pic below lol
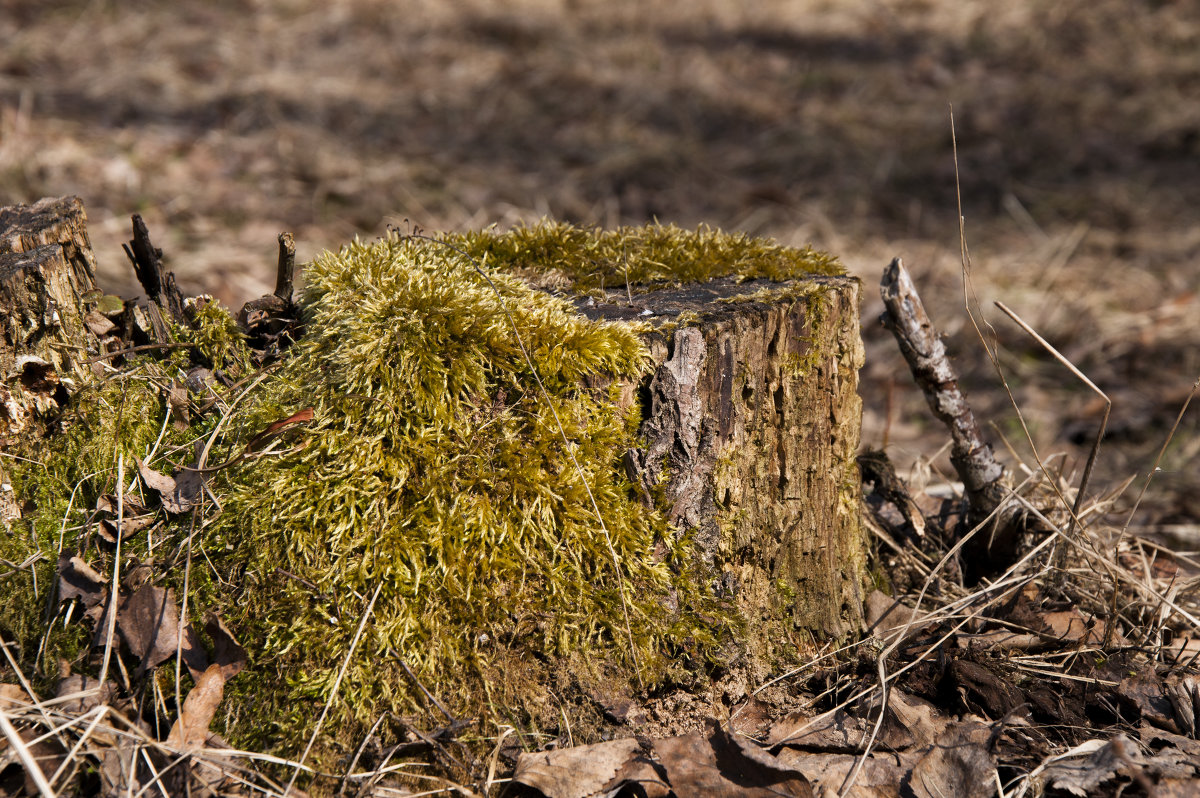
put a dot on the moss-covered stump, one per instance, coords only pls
(751, 421)
(574, 467)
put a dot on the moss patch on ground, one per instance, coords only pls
(437, 467)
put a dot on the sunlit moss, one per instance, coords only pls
(644, 258)
(216, 336)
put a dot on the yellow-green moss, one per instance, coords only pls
(216, 336)
(435, 466)
(58, 481)
(644, 258)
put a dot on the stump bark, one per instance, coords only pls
(47, 269)
(752, 420)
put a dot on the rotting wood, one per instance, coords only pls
(970, 454)
(161, 290)
(751, 422)
(285, 269)
(47, 272)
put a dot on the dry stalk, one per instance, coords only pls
(337, 683)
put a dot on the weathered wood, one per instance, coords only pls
(161, 291)
(46, 269)
(752, 418)
(995, 548)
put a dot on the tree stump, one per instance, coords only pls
(752, 418)
(47, 268)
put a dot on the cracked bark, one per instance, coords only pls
(751, 422)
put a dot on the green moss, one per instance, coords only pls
(58, 481)
(644, 258)
(435, 466)
(216, 336)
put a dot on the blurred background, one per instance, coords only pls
(224, 122)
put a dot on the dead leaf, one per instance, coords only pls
(579, 772)
(982, 690)
(1086, 766)
(958, 765)
(836, 732)
(135, 516)
(880, 776)
(177, 405)
(78, 694)
(752, 718)
(78, 580)
(191, 728)
(227, 652)
(99, 325)
(12, 697)
(178, 493)
(886, 615)
(721, 764)
(1146, 693)
(1070, 626)
(149, 624)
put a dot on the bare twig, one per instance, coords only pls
(285, 271)
(922, 348)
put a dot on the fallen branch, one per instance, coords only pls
(970, 454)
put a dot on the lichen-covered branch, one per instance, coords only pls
(921, 346)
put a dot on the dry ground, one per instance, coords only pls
(815, 121)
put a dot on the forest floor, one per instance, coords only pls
(810, 121)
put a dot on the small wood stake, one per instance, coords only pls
(286, 269)
(970, 454)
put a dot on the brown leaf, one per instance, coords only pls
(78, 580)
(78, 693)
(149, 624)
(279, 426)
(837, 732)
(12, 697)
(177, 404)
(1146, 693)
(191, 728)
(958, 765)
(880, 776)
(578, 772)
(1086, 766)
(719, 764)
(98, 324)
(982, 690)
(227, 652)
(179, 493)
(886, 615)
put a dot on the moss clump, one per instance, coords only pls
(58, 481)
(644, 258)
(215, 336)
(435, 466)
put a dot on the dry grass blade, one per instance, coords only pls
(333, 692)
(1091, 461)
(27, 761)
(114, 592)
